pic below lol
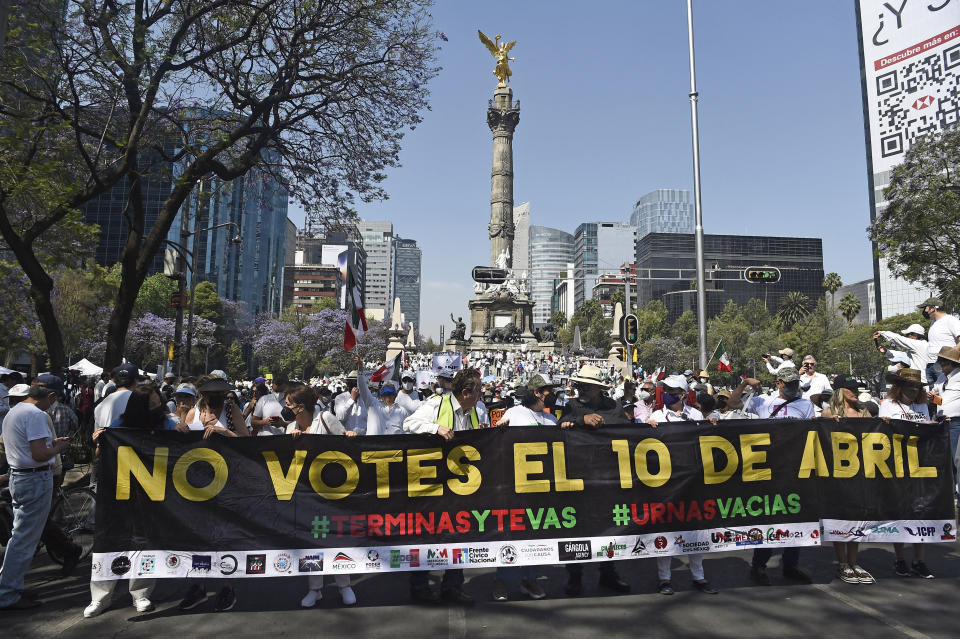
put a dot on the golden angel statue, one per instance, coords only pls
(499, 51)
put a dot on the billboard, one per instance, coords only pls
(910, 51)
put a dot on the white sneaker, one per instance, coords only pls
(95, 608)
(346, 594)
(143, 604)
(311, 598)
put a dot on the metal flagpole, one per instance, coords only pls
(701, 284)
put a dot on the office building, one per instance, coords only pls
(666, 270)
(609, 283)
(863, 291)
(599, 246)
(562, 293)
(549, 253)
(378, 280)
(325, 248)
(306, 285)
(664, 211)
(406, 279)
(235, 232)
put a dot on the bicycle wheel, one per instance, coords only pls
(73, 513)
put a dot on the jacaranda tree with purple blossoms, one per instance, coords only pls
(101, 95)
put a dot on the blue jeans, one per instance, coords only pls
(791, 557)
(32, 494)
(954, 436)
(933, 371)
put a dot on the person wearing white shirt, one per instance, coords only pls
(383, 417)
(914, 346)
(113, 405)
(267, 413)
(443, 415)
(786, 361)
(409, 397)
(907, 400)
(944, 331)
(947, 394)
(675, 410)
(811, 382)
(786, 403)
(348, 409)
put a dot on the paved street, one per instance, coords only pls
(893, 607)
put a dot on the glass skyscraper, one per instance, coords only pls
(599, 246)
(549, 252)
(663, 211)
(406, 279)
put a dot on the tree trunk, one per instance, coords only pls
(51, 328)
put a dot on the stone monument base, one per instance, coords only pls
(490, 312)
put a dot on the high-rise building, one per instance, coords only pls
(236, 233)
(599, 246)
(305, 285)
(521, 237)
(406, 279)
(664, 211)
(908, 76)
(326, 248)
(549, 252)
(609, 283)
(666, 270)
(378, 280)
(563, 293)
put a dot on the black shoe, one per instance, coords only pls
(900, 568)
(665, 588)
(226, 599)
(70, 560)
(500, 590)
(919, 569)
(29, 594)
(796, 574)
(424, 595)
(456, 595)
(195, 596)
(23, 603)
(612, 581)
(705, 587)
(759, 575)
(574, 586)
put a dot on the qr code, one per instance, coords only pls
(917, 98)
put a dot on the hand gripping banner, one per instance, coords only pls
(175, 505)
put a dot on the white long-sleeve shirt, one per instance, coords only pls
(948, 387)
(424, 420)
(381, 419)
(409, 402)
(781, 364)
(351, 414)
(916, 349)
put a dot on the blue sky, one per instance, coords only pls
(605, 118)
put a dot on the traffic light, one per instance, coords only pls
(630, 329)
(762, 274)
(490, 275)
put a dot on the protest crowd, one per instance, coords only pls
(442, 394)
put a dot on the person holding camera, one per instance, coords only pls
(784, 361)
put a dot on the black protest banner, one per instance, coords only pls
(176, 505)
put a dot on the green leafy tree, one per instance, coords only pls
(919, 231)
(652, 320)
(832, 283)
(105, 95)
(559, 319)
(154, 295)
(849, 307)
(235, 366)
(685, 328)
(794, 306)
(206, 302)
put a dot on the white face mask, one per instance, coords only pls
(408, 386)
(893, 369)
(643, 396)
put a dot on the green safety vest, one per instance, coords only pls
(445, 414)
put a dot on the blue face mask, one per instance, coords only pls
(669, 399)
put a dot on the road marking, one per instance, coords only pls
(872, 612)
(457, 620)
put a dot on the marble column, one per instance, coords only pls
(503, 114)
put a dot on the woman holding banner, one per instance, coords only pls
(844, 403)
(302, 403)
(907, 400)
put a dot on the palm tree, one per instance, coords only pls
(849, 307)
(794, 306)
(832, 283)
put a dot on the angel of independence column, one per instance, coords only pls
(503, 114)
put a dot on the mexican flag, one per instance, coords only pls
(723, 362)
(356, 324)
(390, 371)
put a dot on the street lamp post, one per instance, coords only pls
(701, 284)
(184, 265)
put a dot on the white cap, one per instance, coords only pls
(676, 381)
(913, 328)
